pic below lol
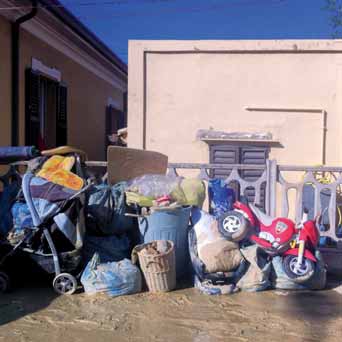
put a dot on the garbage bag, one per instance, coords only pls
(194, 192)
(7, 198)
(216, 253)
(106, 210)
(22, 218)
(221, 256)
(109, 248)
(208, 282)
(140, 200)
(221, 197)
(256, 277)
(112, 278)
(281, 281)
(156, 186)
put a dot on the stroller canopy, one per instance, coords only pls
(47, 200)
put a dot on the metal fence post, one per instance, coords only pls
(271, 185)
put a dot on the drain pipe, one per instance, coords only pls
(15, 70)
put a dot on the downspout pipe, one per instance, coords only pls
(15, 70)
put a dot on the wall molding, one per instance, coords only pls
(52, 73)
(70, 50)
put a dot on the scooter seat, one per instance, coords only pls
(266, 220)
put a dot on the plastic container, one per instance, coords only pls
(169, 224)
(159, 269)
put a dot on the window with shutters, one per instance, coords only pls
(115, 120)
(46, 111)
(240, 154)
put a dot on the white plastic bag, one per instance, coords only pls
(154, 186)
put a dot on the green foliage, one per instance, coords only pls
(335, 9)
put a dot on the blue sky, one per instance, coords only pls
(117, 21)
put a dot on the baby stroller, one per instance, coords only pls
(53, 233)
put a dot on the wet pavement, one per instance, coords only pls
(38, 315)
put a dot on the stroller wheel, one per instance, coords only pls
(4, 282)
(65, 283)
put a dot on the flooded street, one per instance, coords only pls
(37, 315)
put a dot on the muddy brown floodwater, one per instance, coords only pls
(37, 315)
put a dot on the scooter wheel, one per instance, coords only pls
(4, 282)
(299, 275)
(233, 226)
(65, 283)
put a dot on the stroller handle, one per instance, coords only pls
(84, 189)
(62, 150)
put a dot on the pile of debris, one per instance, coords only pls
(68, 222)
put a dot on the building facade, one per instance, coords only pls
(69, 89)
(289, 91)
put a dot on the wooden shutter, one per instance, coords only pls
(115, 119)
(111, 123)
(121, 119)
(223, 154)
(62, 115)
(32, 107)
(234, 154)
(253, 156)
(125, 98)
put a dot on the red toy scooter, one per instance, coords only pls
(276, 236)
(299, 261)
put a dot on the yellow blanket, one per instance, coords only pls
(57, 170)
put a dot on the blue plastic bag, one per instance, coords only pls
(109, 248)
(7, 198)
(112, 278)
(22, 218)
(106, 208)
(221, 197)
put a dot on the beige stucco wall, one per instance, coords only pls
(178, 87)
(87, 96)
(5, 82)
